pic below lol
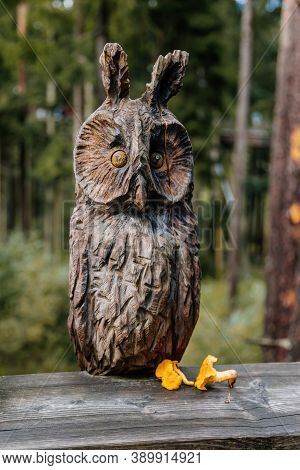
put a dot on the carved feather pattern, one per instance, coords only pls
(134, 268)
(133, 283)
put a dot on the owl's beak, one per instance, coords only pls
(140, 193)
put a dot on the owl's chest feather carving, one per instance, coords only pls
(132, 269)
(134, 264)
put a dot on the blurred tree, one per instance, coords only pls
(240, 147)
(77, 99)
(102, 37)
(24, 182)
(265, 47)
(282, 323)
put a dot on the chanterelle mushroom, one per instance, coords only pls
(170, 375)
(209, 375)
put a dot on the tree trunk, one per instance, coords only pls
(77, 109)
(101, 39)
(77, 87)
(50, 101)
(88, 105)
(22, 15)
(282, 332)
(240, 147)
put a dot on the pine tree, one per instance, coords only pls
(282, 332)
(240, 147)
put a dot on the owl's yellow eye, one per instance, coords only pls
(156, 160)
(119, 159)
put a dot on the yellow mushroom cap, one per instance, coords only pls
(172, 381)
(167, 372)
(207, 372)
(164, 368)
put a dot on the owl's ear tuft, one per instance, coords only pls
(166, 79)
(113, 61)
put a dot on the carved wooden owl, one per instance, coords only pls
(134, 269)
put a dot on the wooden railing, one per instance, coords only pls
(78, 411)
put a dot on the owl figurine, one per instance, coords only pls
(134, 267)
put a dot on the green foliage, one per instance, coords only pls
(33, 309)
(232, 337)
(55, 161)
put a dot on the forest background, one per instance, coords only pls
(50, 82)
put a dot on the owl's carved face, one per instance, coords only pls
(135, 149)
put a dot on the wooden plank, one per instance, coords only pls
(257, 137)
(75, 410)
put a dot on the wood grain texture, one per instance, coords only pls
(134, 267)
(80, 411)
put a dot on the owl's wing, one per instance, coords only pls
(81, 257)
(79, 278)
(78, 273)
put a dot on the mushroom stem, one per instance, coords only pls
(184, 379)
(229, 375)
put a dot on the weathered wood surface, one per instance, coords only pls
(76, 410)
